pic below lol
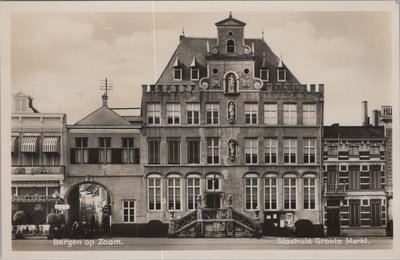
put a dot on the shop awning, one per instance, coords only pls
(51, 144)
(29, 144)
(14, 144)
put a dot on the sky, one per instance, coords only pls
(60, 58)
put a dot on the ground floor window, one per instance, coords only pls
(154, 191)
(354, 213)
(376, 212)
(174, 194)
(128, 211)
(289, 193)
(193, 191)
(270, 192)
(309, 193)
(251, 193)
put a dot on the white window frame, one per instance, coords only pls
(251, 147)
(309, 114)
(267, 71)
(271, 113)
(343, 168)
(366, 167)
(174, 111)
(191, 108)
(180, 73)
(291, 146)
(290, 114)
(153, 178)
(193, 188)
(268, 185)
(251, 186)
(154, 112)
(129, 210)
(271, 145)
(251, 109)
(284, 75)
(215, 144)
(308, 148)
(191, 73)
(290, 186)
(214, 177)
(307, 191)
(212, 108)
(174, 186)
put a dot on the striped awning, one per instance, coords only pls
(29, 144)
(14, 144)
(51, 144)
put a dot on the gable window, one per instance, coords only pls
(174, 151)
(250, 113)
(270, 192)
(153, 114)
(154, 151)
(177, 73)
(281, 74)
(82, 151)
(271, 114)
(193, 151)
(309, 193)
(194, 73)
(289, 193)
(230, 46)
(128, 207)
(173, 113)
(193, 113)
(309, 114)
(251, 193)
(212, 114)
(251, 150)
(309, 150)
(174, 192)
(105, 150)
(289, 114)
(264, 74)
(271, 150)
(193, 191)
(289, 150)
(213, 150)
(154, 192)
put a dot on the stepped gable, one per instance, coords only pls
(354, 132)
(190, 47)
(103, 116)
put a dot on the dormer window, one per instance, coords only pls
(194, 70)
(264, 74)
(281, 74)
(230, 46)
(177, 70)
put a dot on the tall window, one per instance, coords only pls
(354, 177)
(309, 114)
(264, 74)
(270, 114)
(173, 113)
(154, 192)
(289, 193)
(250, 113)
(174, 155)
(355, 213)
(270, 192)
(193, 113)
(251, 150)
(289, 114)
(177, 73)
(281, 74)
(193, 191)
(251, 193)
(309, 150)
(289, 150)
(212, 114)
(153, 114)
(375, 178)
(174, 193)
(154, 152)
(193, 151)
(82, 151)
(271, 150)
(194, 73)
(213, 150)
(105, 150)
(128, 150)
(128, 207)
(230, 46)
(309, 193)
(376, 215)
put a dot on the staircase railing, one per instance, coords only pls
(243, 220)
(185, 221)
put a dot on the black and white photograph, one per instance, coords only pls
(199, 130)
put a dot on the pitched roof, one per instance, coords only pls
(190, 48)
(103, 116)
(230, 22)
(354, 132)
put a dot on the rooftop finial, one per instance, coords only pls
(280, 61)
(230, 14)
(183, 31)
(262, 34)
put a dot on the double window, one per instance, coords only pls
(193, 151)
(128, 207)
(355, 215)
(251, 190)
(154, 193)
(82, 151)
(193, 113)
(289, 114)
(270, 193)
(375, 177)
(193, 191)
(174, 155)
(213, 150)
(105, 150)
(271, 150)
(154, 152)
(212, 114)
(309, 114)
(289, 193)
(173, 113)
(270, 114)
(354, 177)
(250, 113)
(128, 151)
(174, 193)
(309, 150)
(309, 193)
(251, 150)
(153, 114)
(289, 150)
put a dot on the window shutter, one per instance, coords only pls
(72, 156)
(116, 156)
(93, 156)
(137, 156)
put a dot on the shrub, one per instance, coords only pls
(20, 218)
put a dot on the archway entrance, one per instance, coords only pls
(90, 209)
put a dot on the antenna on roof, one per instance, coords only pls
(230, 14)
(105, 85)
(262, 34)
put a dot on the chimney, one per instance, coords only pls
(365, 120)
(375, 117)
(105, 99)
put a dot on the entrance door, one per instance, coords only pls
(333, 222)
(213, 200)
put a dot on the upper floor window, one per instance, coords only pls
(354, 177)
(309, 114)
(230, 46)
(212, 114)
(250, 113)
(82, 151)
(194, 73)
(174, 151)
(193, 113)
(173, 113)
(271, 150)
(289, 114)
(153, 114)
(289, 150)
(264, 74)
(270, 114)
(251, 150)
(375, 177)
(193, 150)
(213, 150)
(177, 73)
(213, 182)
(309, 150)
(128, 150)
(281, 74)
(105, 150)
(154, 151)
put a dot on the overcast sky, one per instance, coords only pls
(59, 58)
